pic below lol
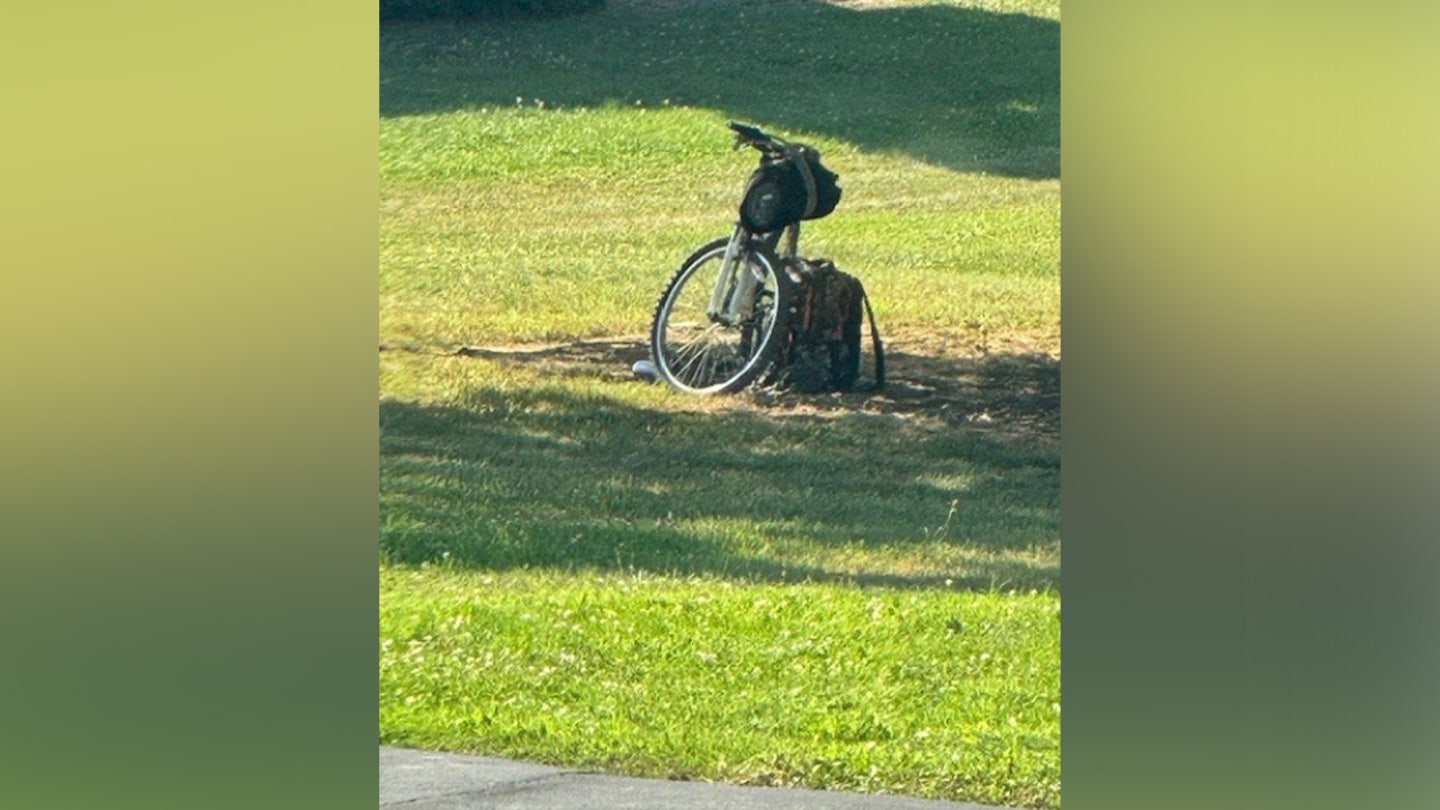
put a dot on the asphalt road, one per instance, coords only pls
(423, 780)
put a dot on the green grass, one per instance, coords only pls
(565, 213)
(704, 678)
(844, 592)
(503, 468)
(511, 489)
(627, 195)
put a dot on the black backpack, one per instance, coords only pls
(787, 189)
(823, 348)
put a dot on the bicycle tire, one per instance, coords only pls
(699, 355)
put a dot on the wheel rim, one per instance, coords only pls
(698, 355)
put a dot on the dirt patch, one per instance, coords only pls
(1014, 391)
(1007, 386)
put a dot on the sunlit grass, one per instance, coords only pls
(931, 693)
(591, 236)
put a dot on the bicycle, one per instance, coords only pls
(722, 321)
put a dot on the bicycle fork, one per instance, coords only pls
(733, 300)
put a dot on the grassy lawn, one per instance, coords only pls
(881, 690)
(854, 592)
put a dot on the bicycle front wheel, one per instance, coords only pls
(717, 329)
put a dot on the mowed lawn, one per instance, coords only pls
(856, 592)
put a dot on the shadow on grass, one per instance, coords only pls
(958, 87)
(547, 477)
(1012, 394)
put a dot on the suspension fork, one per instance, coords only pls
(733, 299)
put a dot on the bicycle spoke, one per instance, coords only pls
(696, 354)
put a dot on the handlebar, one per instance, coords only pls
(754, 137)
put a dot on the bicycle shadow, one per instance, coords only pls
(963, 88)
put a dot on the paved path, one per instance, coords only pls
(422, 780)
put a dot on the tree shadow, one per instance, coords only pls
(963, 88)
(779, 490)
(1010, 394)
(1014, 397)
